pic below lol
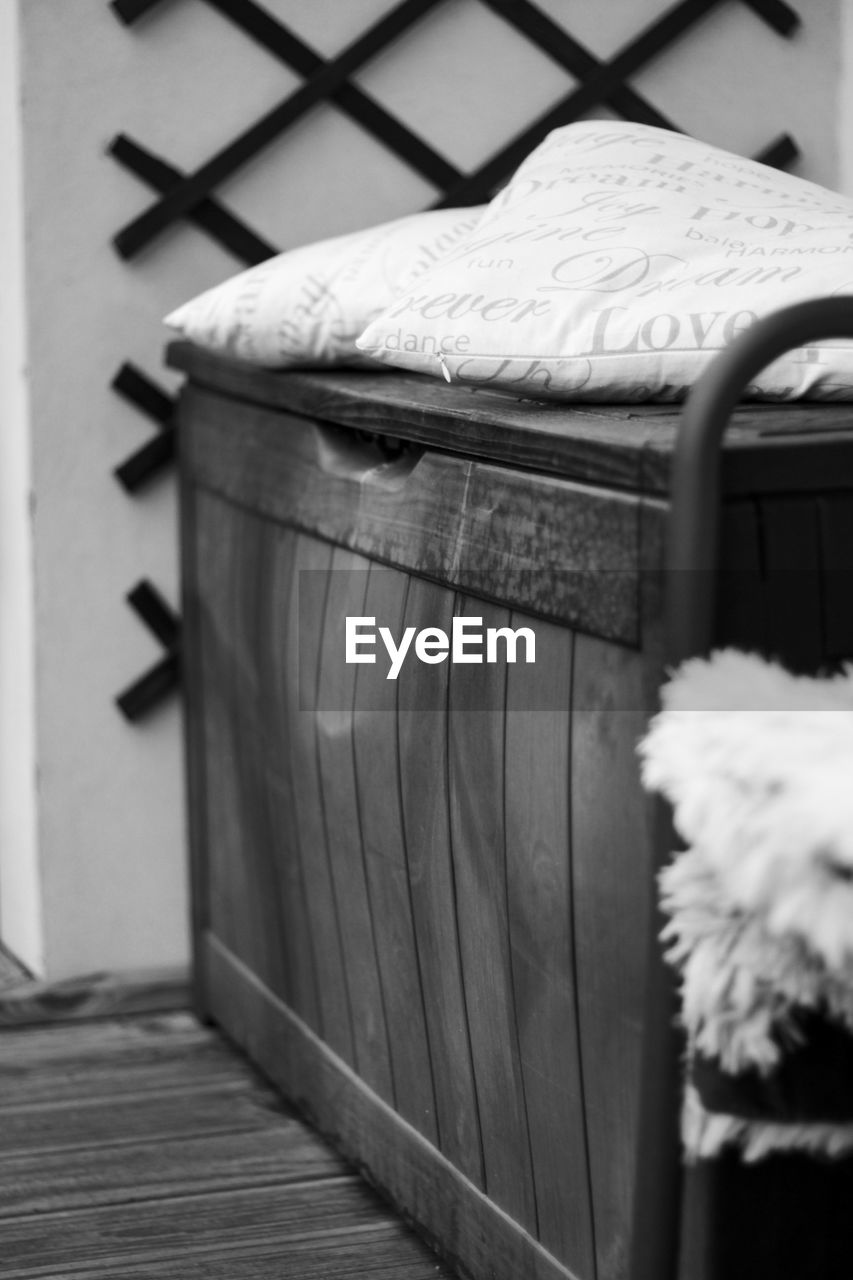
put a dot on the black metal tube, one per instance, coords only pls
(692, 562)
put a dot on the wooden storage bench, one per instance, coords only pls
(418, 903)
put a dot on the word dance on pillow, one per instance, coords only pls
(308, 306)
(616, 262)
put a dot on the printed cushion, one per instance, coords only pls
(308, 306)
(614, 265)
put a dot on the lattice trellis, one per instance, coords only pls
(192, 196)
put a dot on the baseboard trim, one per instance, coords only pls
(31, 1002)
(454, 1216)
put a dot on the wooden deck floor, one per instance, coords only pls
(146, 1148)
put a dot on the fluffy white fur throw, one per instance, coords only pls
(758, 767)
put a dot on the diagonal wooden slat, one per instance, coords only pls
(164, 677)
(261, 26)
(139, 390)
(151, 458)
(559, 45)
(187, 194)
(128, 11)
(150, 689)
(659, 35)
(776, 14)
(144, 394)
(224, 227)
(779, 153)
(149, 605)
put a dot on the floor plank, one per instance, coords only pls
(85, 1176)
(26, 1001)
(147, 1147)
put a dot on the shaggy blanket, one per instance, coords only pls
(757, 765)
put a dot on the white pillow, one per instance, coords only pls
(308, 306)
(616, 262)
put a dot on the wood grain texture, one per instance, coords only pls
(424, 780)
(305, 613)
(147, 1147)
(245, 890)
(371, 1253)
(166, 1064)
(149, 1038)
(628, 446)
(341, 816)
(537, 542)
(219, 1222)
(449, 1210)
(174, 1112)
(537, 835)
(477, 835)
(611, 845)
(378, 784)
(194, 759)
(26, 1002)
(277, 655)
(472, 857)
(76, 1177)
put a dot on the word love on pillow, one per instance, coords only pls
(614, 265)
(308, 306)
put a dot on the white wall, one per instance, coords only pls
(20, 899)
(104, 886)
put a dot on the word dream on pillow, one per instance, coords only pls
(308, 306)
(614, 265)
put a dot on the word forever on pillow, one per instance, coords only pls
(616, 262)
(308, 306)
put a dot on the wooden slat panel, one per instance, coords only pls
(410, 1171)
(335, 697)
(426, 822)
(195, 764)
(245, 905)
(81, 1177)
(230, 898)
(259, 769)
(386, 863)
(836, 536)
(305, 611)
(611, 866)
(476, 773)
(629, 446)
(791, 544)
(543, 544)
(540, 923)
(277, 657)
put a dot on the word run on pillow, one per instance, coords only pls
(614, 265)
(308, 306)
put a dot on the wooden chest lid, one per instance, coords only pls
(768, 448)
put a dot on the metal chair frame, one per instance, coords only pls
(691, 569)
